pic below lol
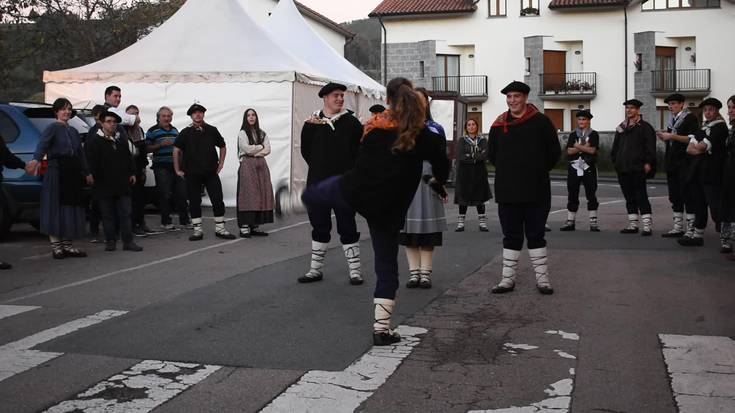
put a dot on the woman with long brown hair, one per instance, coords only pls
(254, 189)
(382, 185)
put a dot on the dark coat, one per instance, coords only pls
(523, 157)
(383, 183)
(8, 160)
(111, 166)
(330, 152)
(676, 152)
(471, 186)
(633, 148)
(708, 168)
(593, 139)
(728, 180)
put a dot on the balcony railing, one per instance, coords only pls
(467, 86)
(681, 80)
(568, 84)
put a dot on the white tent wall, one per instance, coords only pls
(225, 103)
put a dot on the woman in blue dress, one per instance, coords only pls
(62, 198)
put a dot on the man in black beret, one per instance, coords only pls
(523, 146)
(7, 160)
(111, 166)
(582, 146)
(375, 109)
(196, 160)
(706, 170)
(676, 138)
(634, 156)
(329, 145)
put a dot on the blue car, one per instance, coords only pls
(21, 125)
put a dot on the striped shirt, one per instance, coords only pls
(156, 136)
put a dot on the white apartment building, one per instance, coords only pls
(573, 53)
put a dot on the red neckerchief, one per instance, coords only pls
(505, 119)
(381, 121)
(628, 124)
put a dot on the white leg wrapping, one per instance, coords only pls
(318, 252)
(632, 221)
(352, 254)
(647, 222)
(383, 310)
(690, 225)
(197, 224)
(593, 218)
(571, 216)
(510, 266)
(538, 260)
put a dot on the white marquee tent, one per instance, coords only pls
(212, 52)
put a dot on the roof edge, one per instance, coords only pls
(309, 12)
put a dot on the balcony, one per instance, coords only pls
(688, 82)
(472, 88)
(568, 86)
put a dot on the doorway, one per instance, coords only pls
(555, 70)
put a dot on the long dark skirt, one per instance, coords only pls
(57, 220)
(421, 240)
(255, 200)
(472, 187)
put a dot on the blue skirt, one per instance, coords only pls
(60, 221)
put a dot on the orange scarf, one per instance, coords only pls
(505, 119)
(383, 121)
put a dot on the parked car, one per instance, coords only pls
(21, 124)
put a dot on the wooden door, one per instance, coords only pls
(556, 116)
(666, 68)
(555, 69)
(573, 119)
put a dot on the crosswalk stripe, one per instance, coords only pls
(17, 357)
(141, 388)
(11, 310)
(702, 371)
(344, 391)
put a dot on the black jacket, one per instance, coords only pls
(383, 183)
(709, 168)
(676, 152)
(593, 139)
(199, 149)
(111, 166)
(8, 160)
(633, 148)
(523, 157)
(330, 152)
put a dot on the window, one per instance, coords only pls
(447, 72)
(529, 8)
(680, 4)
(496, 8)
(8, 128)
(528, 66)
(422, 69)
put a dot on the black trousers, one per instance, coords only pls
(633, 185)
(171, 187)
(704, 196)
(524, 219)
(480, 209)
(116, 214)
(385, 246)
(137, 200)
(325, 197)
(589, 180)
(678, 192)
(213, 185)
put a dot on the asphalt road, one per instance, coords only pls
(236, 307)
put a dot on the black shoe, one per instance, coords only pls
(646, 233)
(671, 234)
(425, 283)
(224, 235)
(691, 241)
(484, 229)
(545, 290)
(595, 229)
(569, 226)
(724, 249)
(110, 246)
(257, 233)
(75, 253)
(498, 289)
(244, 234)
(459, 229)
(629, 231)
(385, 338)
(356, 281)
(196, 237)
(412, 283)
(132, 247)
(304, 279)
(58, 254)
(5, 266)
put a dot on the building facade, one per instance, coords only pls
(575, 54)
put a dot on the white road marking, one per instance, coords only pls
(559, 392)
(344, 391)
(702, 371)
(139, 389)
(142, 266)
(17, 357)
(11, 310)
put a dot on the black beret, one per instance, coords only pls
(635, 102)
(711, 102)
(106, 114)
(195, 108)
(516, 86)
(377, 108)
(331, 87)
(584, 113)
(676, 97)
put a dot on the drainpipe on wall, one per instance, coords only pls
(385, 50)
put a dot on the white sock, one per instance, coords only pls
(219, 225)
(647, 222)
(318, 252)
(538, 260)
(352, 254)
(383, 311)
(690, 225)
(197, 224)
(510, 266)
(593, 218)
(633, 221)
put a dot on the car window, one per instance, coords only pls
(8, 129)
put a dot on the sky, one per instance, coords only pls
(342, 10)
